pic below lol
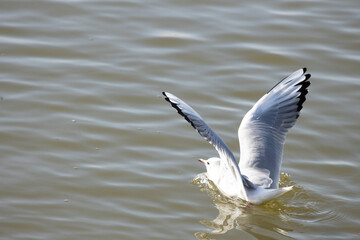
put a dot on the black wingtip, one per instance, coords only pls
(304, 71)
(167, 98)
(303, 91)
(174, 105)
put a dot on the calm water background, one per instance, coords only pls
(90, 150)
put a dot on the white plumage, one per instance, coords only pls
(261, 134)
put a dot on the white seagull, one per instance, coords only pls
(261, 134)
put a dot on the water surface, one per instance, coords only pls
(90, 150)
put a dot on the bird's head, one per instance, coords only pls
(212, 167)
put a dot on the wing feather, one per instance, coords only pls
(227, 157)
(263, 130)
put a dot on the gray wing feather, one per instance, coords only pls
(205, 131)
(263, 130)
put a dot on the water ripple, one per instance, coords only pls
(89, 148)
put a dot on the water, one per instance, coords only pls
(90, 150)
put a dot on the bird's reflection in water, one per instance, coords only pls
(267, 221)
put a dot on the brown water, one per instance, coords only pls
(90, 150)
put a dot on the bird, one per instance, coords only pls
(261, 133)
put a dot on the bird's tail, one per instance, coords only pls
(261, 195)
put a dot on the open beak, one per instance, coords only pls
(202, 161)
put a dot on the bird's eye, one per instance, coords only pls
(208, 163)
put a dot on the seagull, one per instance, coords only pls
(261, 135)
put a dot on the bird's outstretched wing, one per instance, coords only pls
(263, 130)
(205, 131)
